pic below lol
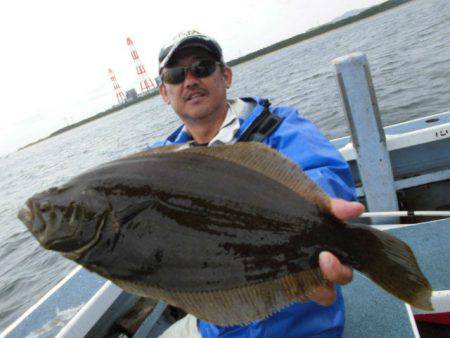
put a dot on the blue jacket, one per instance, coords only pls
(301, 141)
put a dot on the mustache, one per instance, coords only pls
(195, 89)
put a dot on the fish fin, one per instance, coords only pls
(157, 150)
(137, 156)
(269, 162)
(237, 306)
(389, 262)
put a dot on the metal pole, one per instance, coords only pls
(361, 108)
(150, 321)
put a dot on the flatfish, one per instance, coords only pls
(230, 234)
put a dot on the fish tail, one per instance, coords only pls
(389, 262)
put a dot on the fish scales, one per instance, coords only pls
(212, 235)
(230, 234)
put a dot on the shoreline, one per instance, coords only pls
(316, 31)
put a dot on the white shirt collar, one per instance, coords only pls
(227, 131)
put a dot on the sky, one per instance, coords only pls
(56, 54)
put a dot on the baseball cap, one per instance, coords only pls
(190, 38)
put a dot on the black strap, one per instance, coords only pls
(262, 126)
(195, 144)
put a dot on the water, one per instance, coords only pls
(409, 57)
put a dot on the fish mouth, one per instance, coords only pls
(38, 224)
(31, 216)
(26, 216)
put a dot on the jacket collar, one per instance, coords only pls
(242, 107)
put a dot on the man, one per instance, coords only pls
(194, 82)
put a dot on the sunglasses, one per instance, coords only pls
(200, 69)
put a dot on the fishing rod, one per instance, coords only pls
(409, 213)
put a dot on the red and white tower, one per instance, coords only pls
(119, 93)
(143, 77)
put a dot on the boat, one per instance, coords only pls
(412, 159)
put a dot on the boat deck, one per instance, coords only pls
(372, 311)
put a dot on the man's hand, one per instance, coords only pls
(332, 269)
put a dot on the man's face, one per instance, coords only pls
(197, 99)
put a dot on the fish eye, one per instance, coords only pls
(45, 206)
